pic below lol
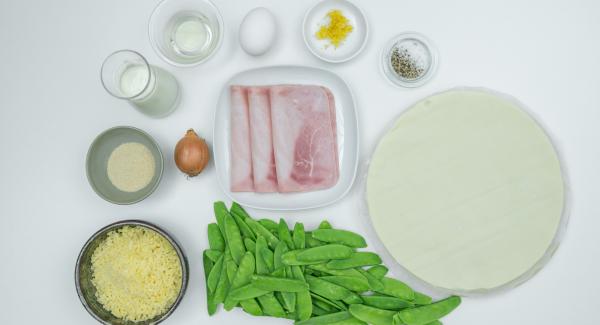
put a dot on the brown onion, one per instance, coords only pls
(191, 154)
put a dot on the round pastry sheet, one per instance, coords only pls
(466, 191)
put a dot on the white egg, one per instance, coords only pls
(258, 31)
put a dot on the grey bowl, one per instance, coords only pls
(97, 160)
(83, 275)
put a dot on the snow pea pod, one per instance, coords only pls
(289, 298)
(347, 272)
(260, 230)
(246, 231)
(378, 271)
(241, 278)
(372, 315)
(220, 211)
(385, 302)
(349, 282)
(422, 299)
(291, 258)
(215, 275)
(261, 264)
(299, 237)
(271, 225)
(247, 291)
(326, 252)
(279, 251)
(311, 241)
(269, 283)
(251, 307)
(426, 314)
(318, 311)
(353, 298)
(215, 238)
(270, 305)
(326, 319)
(213, 254)
(357, 259)
(327, 304)
(396, 288)
(233, 238)
(325, 225)
(238, 210)
(284, 234)
(222, 286)
(350, 321)
(304, 306)
(208, 265)
(327, 289)
(250, 244)
(231, 269)
(374, 283)
(337, 236)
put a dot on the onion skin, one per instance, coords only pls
(191, 154)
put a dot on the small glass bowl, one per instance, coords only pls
(415, 40)
(171, 15)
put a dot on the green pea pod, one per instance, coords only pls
(389, 303)
(297, 273)
(426, 314)
(422, 299)
(357, 259)
(337, 236)
(231, 269)
(327, 289)
(291, 258)
(325, 225)
(247, 291)
(215, 274)
(372, 315)
(374, 283)
(234, 239)
(261, 265)
(271, 225)
(396, 288)
(347, 272)
(246, 231)
(350, 321)
(304, 306)
(318, 311)
(326, 252)
(279, 251)
(241, 278)
(349, 282)
(238, 210)
(268, 257)
(220, 213)
(289, 298)
(208, 266)
(284, 234)
(270, 305)
(353, 298)
(299, 237)
(335, 304)
(222, 288)
(326, 319)
(269, 283)
(260, 230)
(311, 241)
(215, 238)
(251, 307)
(378, 271)
(213, 254)
(325, 306)
(250, 244)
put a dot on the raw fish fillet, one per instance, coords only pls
(304, 138)
(263, 159)
(241, 152)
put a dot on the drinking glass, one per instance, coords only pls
(126, 74)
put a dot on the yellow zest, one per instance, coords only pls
(338, 29)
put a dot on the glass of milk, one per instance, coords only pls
(127, 75)
(186, 32)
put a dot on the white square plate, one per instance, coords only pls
(347, 136)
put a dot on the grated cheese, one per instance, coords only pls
(136, 272)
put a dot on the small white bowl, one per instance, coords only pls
(351, 46)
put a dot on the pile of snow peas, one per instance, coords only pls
(311, 277)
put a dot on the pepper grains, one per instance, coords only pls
(409, 60)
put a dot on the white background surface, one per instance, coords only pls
(546, 53)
